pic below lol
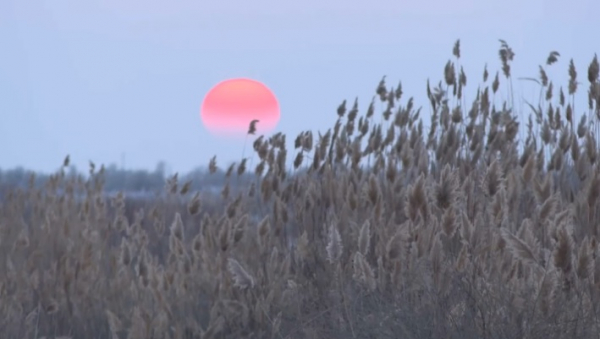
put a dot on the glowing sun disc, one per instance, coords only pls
(230, 106)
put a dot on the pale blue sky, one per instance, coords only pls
(100, 78)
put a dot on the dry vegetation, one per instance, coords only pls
(476, 228)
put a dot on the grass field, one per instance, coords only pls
(485, 225)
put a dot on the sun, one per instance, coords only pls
(230, 106)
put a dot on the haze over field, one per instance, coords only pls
(101, 79)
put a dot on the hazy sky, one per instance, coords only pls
(100, 78)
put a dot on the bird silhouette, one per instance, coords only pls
(252, 128)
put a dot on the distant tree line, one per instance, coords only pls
(117, 179)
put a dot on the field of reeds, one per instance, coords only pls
(484, 225)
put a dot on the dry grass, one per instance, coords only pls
(476, 228)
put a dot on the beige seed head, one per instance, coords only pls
(177, 227)
(364, 238)
(334, 246)
(242, 278)
(563, 253)
(212, 165)
(125, 257)
(114, 322)
(185, 188)
(194, 204)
